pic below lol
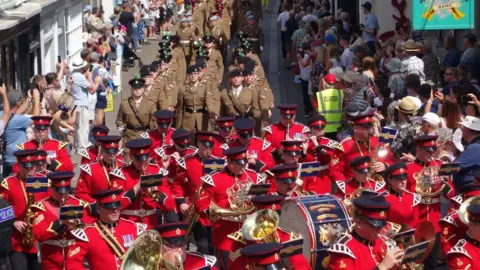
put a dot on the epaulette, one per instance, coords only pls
(341, 247)
(349, 138)
(162, 171)
(208, 179)
(449, 219)
(395, 227)
(160, 152)
(80, 234)
(224, 146)
(181, 162)
(61, 144)
(141, 227)
(237, 236)
(305, 129)
(84, 153)
(261, 178)
(341, 185)
(81, 202)
(210, 260)
(268, 129)
(191, 147)
(4, 184)
(335, 145)
(86, 168)
(21, 146)
(118, 173)
(39, 206)
(266, 144)
(459, 248)
(416, 199)
(145, 135)
(458, 199)
(379, 185)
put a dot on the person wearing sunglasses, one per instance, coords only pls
(94, 176)
(58, 158)
(259, 151)
(13, 190)
(141, 204)
(104, 243)
(174, 252)
(364, 247)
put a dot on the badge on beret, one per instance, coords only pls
(141, 151)
(276, 256)
(177, 231)
(112, 144)
(401, 170)
(185, 141)
(366, 164)
(28, 158)
(382, 214)
(210, 138)
(98, 133)
(63, 183)
(290, 173)
(114, 197)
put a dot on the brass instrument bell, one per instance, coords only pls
(260, 225)
(462, 211)
(145, 253)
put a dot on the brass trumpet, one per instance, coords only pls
(462, 211)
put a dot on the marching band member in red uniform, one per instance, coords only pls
(452, 228)
(163, 134)
(288, 239)
(430, 206)
(361, 168)
(187, 183)
(287, 182)
(174, 245)
(170, 156)
(58, 158)
(364, 248)
(321, 149)
(13, 189)
(362, 143)
(91, 154)
(259, 152)
(215, 187)
(104, 243)
(403, 203)
(276, 133)
(225, 130)
(263, 256)
(140, 205)
(95, 176)
(466, 253)
(41, 163)
(51, 232)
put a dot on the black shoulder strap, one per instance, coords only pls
(135, 113)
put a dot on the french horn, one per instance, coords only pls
(462, 211)
(145, 253)
(428, 183)
(261, 226)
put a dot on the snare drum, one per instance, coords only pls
(320, 219)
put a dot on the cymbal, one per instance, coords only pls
(425, 232)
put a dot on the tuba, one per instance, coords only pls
(462, 211)
(428, 183)
(261, 226)
(29, 216)
(144, 253)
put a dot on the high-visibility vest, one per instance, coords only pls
(330, 103)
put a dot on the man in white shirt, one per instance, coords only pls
(347, 55)
(282, 19)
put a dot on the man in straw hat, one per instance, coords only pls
(413, 64)
(469, 157)
(408, 128)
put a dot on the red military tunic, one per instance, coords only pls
(188, 181)
(221, 142)
(143, 208)
(195, 260)
(263, 150)
(159, 139)
(313, 154)
(346, 188)
(167, 150)
(310, 183)
(95, 177)
(465, 255)
(429, 208)
(452, 230)
(53, 243)
(339, 166)
(353, 252)
(215, 187)
(276, 133)
(91, 154)
(13, 190)
(56, 150)
(237, 262)
(99, 254)
(403, 207)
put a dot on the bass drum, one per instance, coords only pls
(320, 219)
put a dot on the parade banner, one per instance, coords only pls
(443, 14)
